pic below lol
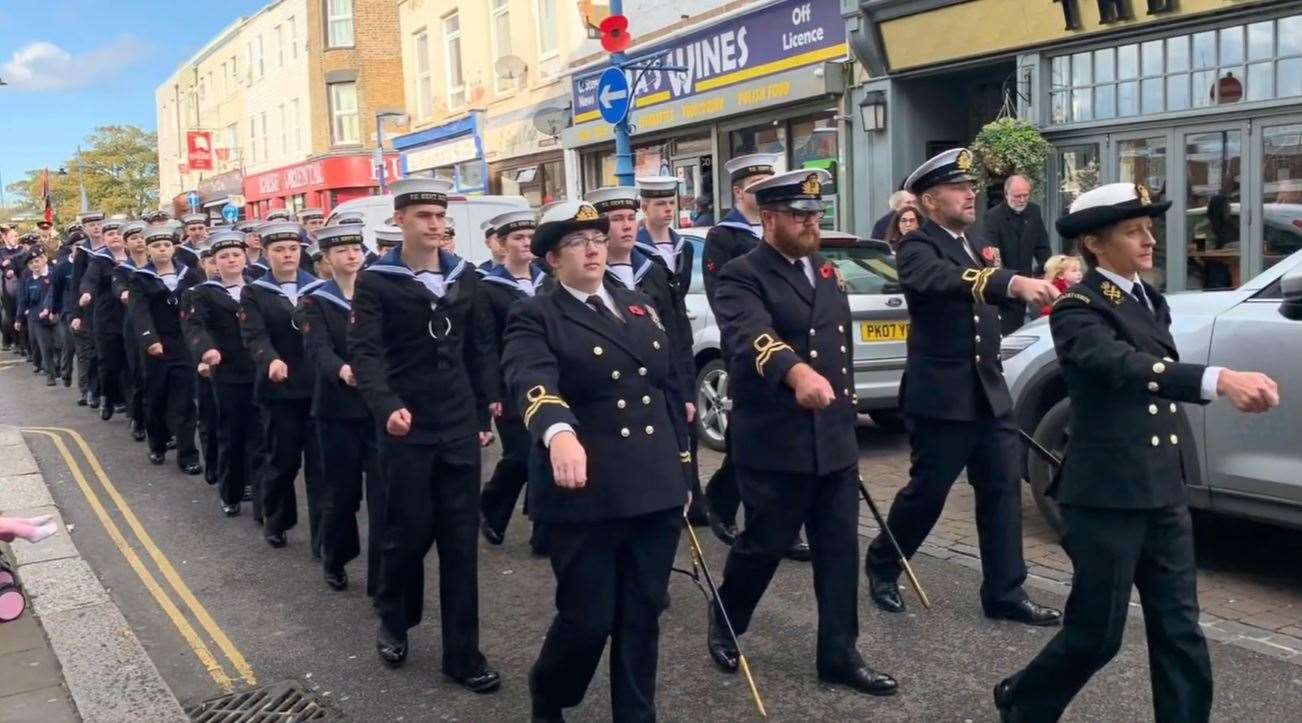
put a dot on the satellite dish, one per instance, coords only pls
(551, 121)
(510, 67)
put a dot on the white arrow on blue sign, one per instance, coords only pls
(231, 213)
(613, 96)
(193, 201)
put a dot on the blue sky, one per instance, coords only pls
(74, 65)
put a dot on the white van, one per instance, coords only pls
(465, 213)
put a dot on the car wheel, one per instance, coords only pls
(890, 420)
(1052, 432)
(711, 417)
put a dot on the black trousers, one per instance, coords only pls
(721, 491)
(135, 381)
(111, 352)
(989, 448)
(351, 464)
(611, 583)
(206, 404)
(169, 408)
(502, 490)
(8, 315)
(777, 504)
(1110, 549)
(291, 444)
(239, 441)
(67, 342)
(87, 360)
(43, 336)
(433, 501)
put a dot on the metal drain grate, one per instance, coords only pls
(284, 702)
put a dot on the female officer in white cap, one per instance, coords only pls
(1121, 488)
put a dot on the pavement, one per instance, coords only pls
(215, 610)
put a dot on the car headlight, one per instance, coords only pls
(1011, 346)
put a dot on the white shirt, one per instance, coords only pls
(291, 290)
(433, 280)
(624, 272)
(234, 290)
(170, 280)
(582, 296)
(1211, 375)
(525, 284)
(806, 266)
(666, 250)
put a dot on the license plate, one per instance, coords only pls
(876, 332)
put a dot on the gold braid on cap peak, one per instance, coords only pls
(537, 397)
(586, 213)
(979, 279)
(765, 347)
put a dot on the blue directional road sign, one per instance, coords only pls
(193, 201)
(231, 213)
(614, 97)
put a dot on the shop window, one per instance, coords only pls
(1253, 62)
(1143, 160)
(1078, 172)
(470, 174)
(1213, 163)
(1281, 192)
(763, 138)
(815, 144)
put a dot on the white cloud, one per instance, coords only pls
(42, 66)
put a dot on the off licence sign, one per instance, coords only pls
(872, 332)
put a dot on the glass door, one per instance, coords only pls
(1214, 222)
(1142, 159)
(688, 171)
(1076, 170)
(1281, 192)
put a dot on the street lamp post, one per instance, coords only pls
(402, 119)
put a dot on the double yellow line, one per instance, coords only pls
(197, 643)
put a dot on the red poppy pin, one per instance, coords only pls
(826, 270)
(307, 327)
(709, 266)
(991, 256)
(243, 317)
(636, 310)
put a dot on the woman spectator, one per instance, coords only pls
(905, 221)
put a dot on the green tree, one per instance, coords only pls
(119, 167)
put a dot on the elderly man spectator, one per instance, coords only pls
(1016, 228)
(898, 200)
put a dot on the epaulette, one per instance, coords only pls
(1071, 295)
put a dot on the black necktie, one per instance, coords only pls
(602, 310)
(1138, 292)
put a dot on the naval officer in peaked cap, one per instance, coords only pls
(954, 395)
(1122, 487)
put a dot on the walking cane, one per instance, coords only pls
(895, 545)
(698, 559)
(1040, 449)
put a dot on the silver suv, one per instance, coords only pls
(1245, 465)
(881, 328)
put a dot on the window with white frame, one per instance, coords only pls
(1217, 67)
(548, 24)
(266, 143)
(258, 68)
(298, 126)
(253, 139)
(424, 82)
(500, 30)
(284, 132)
(293, 37)
(456, 83)
(339, 23)
(280, 46)
(232, 143)
(343, 113)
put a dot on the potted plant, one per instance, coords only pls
(1007, 146)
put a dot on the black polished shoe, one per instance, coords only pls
(799, 551)
(392, 648)
(276, 539)
(171, 443)
(192, 468)
(724, 530)
(1007, 713)
(67, 382)
(248, 493)
(493, 536)
(858, 676)
(886, 594)
(485, 681)
(120, 408)
(156, 457)
(50, 383)
(83, 400)
(231, 510)
(93, 402)
(336, 579)
(106, 411)
(1026, 612)
(138, 431)
(722, 650)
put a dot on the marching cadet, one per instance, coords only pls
(212, 331)
(423, 358)
(154, 301)
(1121, 488)
(33, 313)
(785, 314)
(195, 230)
(658, 239)
(516, 278)
(954, 395)
(320, 263)
(279, 215)
(344, 425)
(82, 323)
(257, 266)
(283, 381)
(62, 301)
(205, 398)
(133, 237)
(595, 375)
(10, 272)
(734, 235)
(496, 254)
(313, 220)
(107, 312)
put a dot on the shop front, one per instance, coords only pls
(451, 151)
(1201, 102)
(323, 183)
(217, 191)
(766, 79)
(522, 159)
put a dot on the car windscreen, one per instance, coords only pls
(867, 269)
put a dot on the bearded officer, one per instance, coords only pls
(954, 396)
(784, 312)
(424, 361)
(1122, 488)
(595, 374)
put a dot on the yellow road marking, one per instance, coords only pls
(242, 667)
(183, 626)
